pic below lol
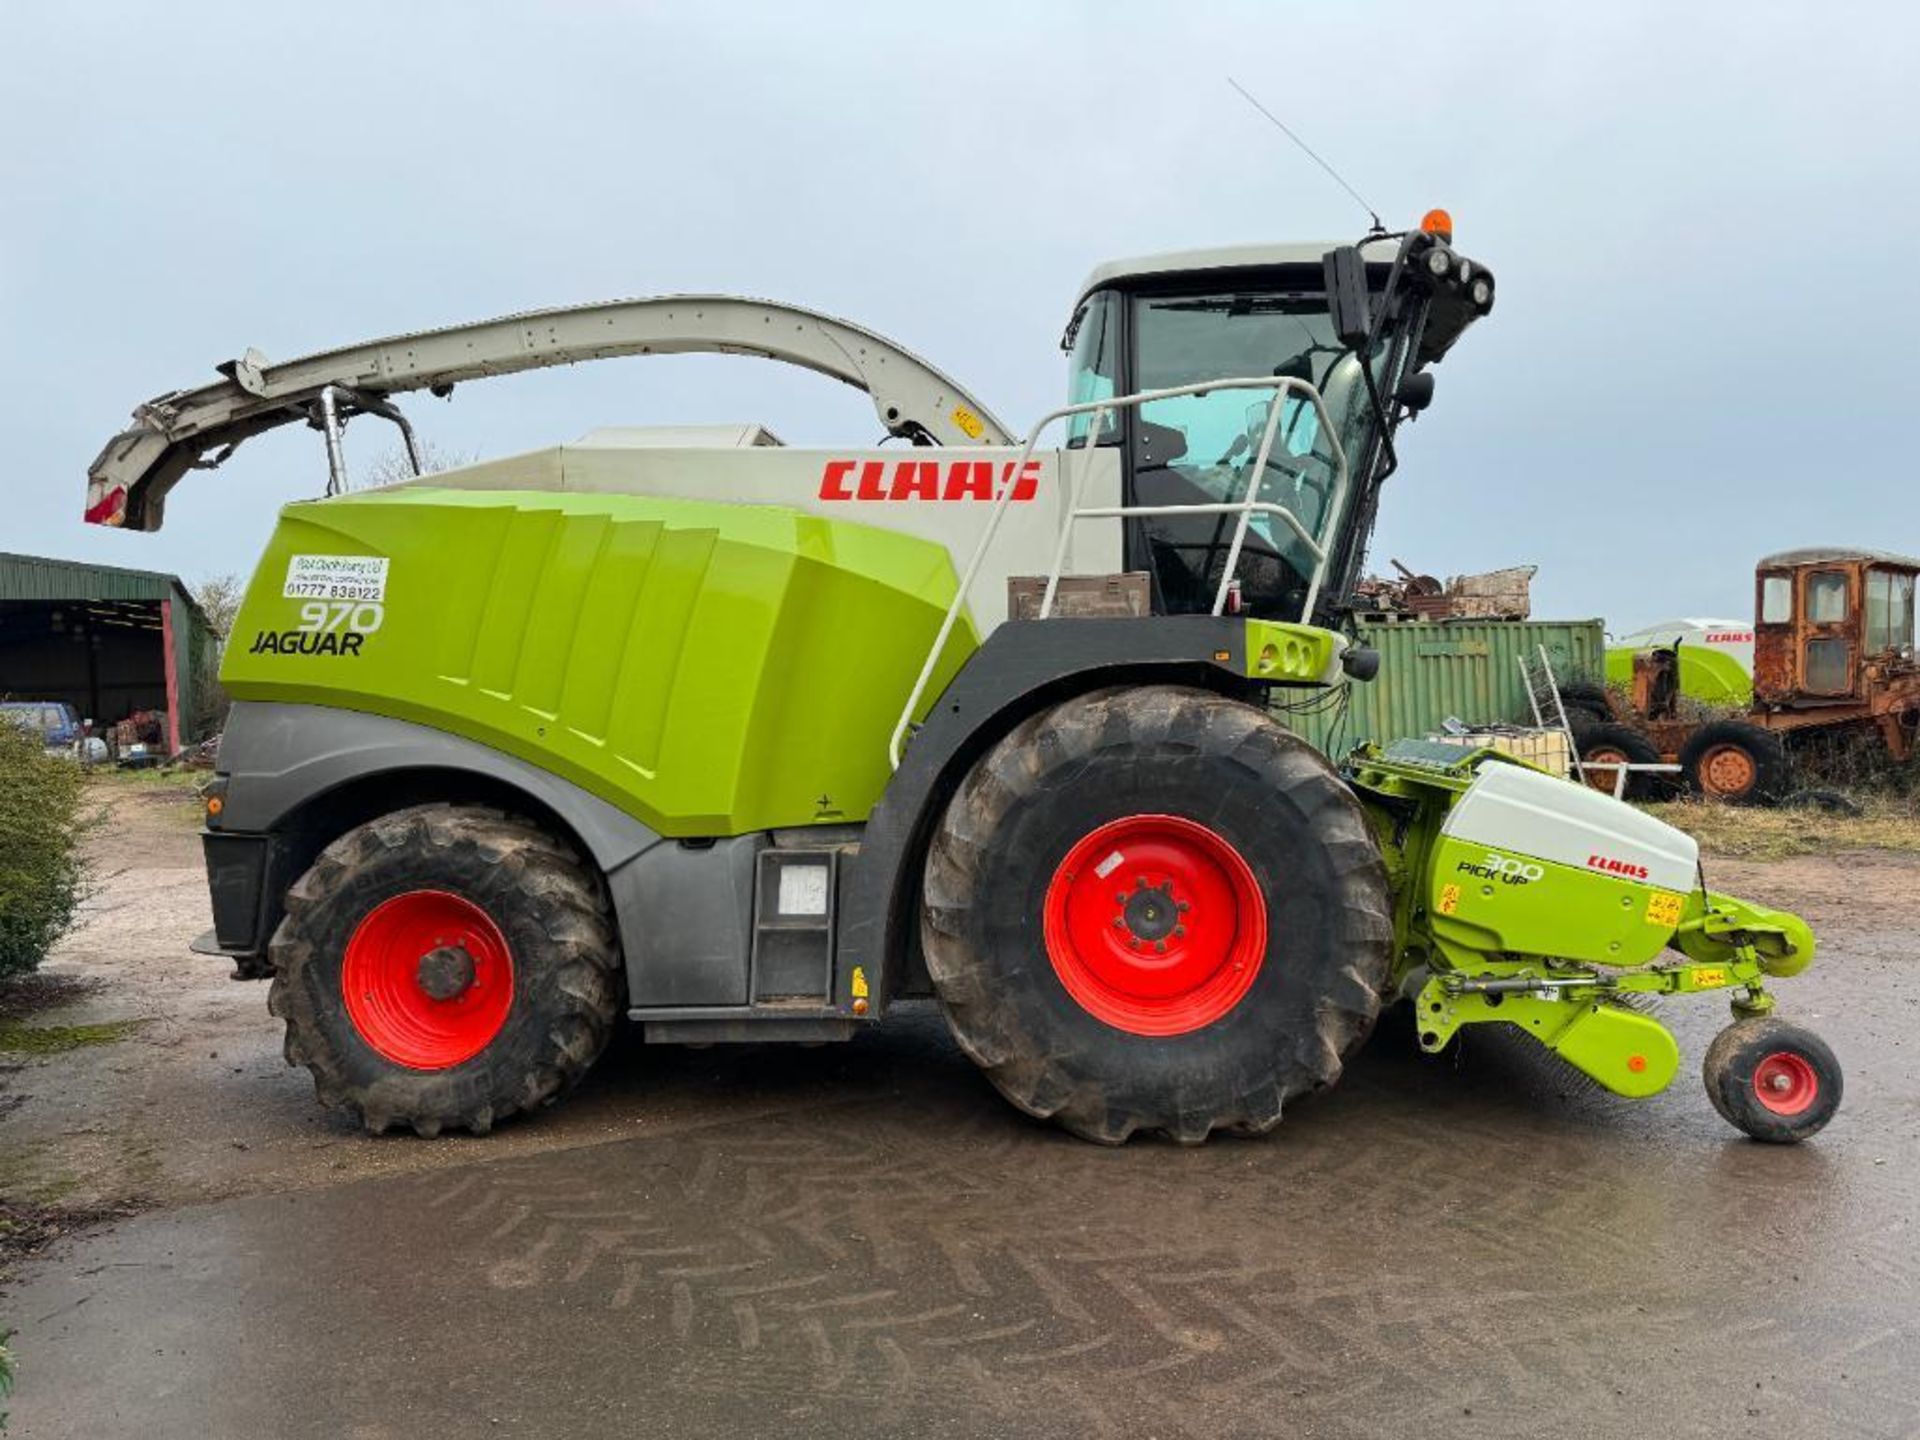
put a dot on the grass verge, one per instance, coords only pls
(1748, 833)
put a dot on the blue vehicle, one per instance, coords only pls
(54, 721)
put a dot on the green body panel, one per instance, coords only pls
(1709, 676)
(1536, 907)
(711, 669)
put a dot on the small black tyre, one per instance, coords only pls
(1772, 1080)
(1154, 909)
(446, 966)
(1737, 762)
(1621, 744)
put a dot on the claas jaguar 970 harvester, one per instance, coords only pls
(746, 742)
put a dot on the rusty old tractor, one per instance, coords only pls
(1833, 650)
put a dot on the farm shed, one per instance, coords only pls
(110, 642)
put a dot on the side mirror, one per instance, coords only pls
(1416, 391)
(1346, 279)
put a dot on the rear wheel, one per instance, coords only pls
(445, 966)
(1739, 763)
(1772, 1080)
(1605, 746)
(1586, 703)
(1155, 909)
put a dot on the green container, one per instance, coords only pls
(1433, 669)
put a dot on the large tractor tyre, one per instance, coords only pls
(1739, 763)
(1587, 704)
(445, 966)
(1155, 909)
(1611, 744)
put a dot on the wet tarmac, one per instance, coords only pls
(865, 1240)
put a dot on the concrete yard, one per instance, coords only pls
(865, 1239)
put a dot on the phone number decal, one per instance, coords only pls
(336, 577)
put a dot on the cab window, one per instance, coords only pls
(1826, 597)
(1889, 611)
(1776, 599)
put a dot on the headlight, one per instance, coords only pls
(1482, 293)
(1439, 261)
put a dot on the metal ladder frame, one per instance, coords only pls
(1621, 769)
(1072, 511)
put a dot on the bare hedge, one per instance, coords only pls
(41, 871)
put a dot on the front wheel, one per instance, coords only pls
(1155, 909)
(445, 966)
(1771, 1080)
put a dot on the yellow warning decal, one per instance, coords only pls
(1663, 909)
(1449, 899)
(968, 421)
(1705, 978)
(859, 982)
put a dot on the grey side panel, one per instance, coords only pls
(686, 915)
(685, 912)
(282, 756)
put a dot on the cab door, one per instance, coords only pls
(1828, 633)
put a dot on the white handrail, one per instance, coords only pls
(1246, 508)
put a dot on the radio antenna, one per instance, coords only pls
(1285, 130)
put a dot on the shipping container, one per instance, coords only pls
(1433, 670)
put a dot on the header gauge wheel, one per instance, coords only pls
(1774, 1081)
(1154, 909)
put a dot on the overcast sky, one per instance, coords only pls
(1703, 348)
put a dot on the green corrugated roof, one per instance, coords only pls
(40, 577)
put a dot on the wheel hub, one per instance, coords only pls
(1152, 913)
(1727, 770)
(1155, 925)
(427, 979)
(445, 972)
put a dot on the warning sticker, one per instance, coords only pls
(1107, 866)
(1664, 909)
(1449, 899)
(336, 577)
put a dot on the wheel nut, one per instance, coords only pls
(1183, 907)
(1118, 923)
(1160, 947)
(1133, 942)
(1179, 931)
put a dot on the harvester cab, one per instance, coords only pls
(1169, 326)
(748, 742)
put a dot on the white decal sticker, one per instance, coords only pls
(1107, 866)
(803, 890)
(336, 577)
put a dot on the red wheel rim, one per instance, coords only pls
(436, 1015)
(1155, 925)
(1785, 1083)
